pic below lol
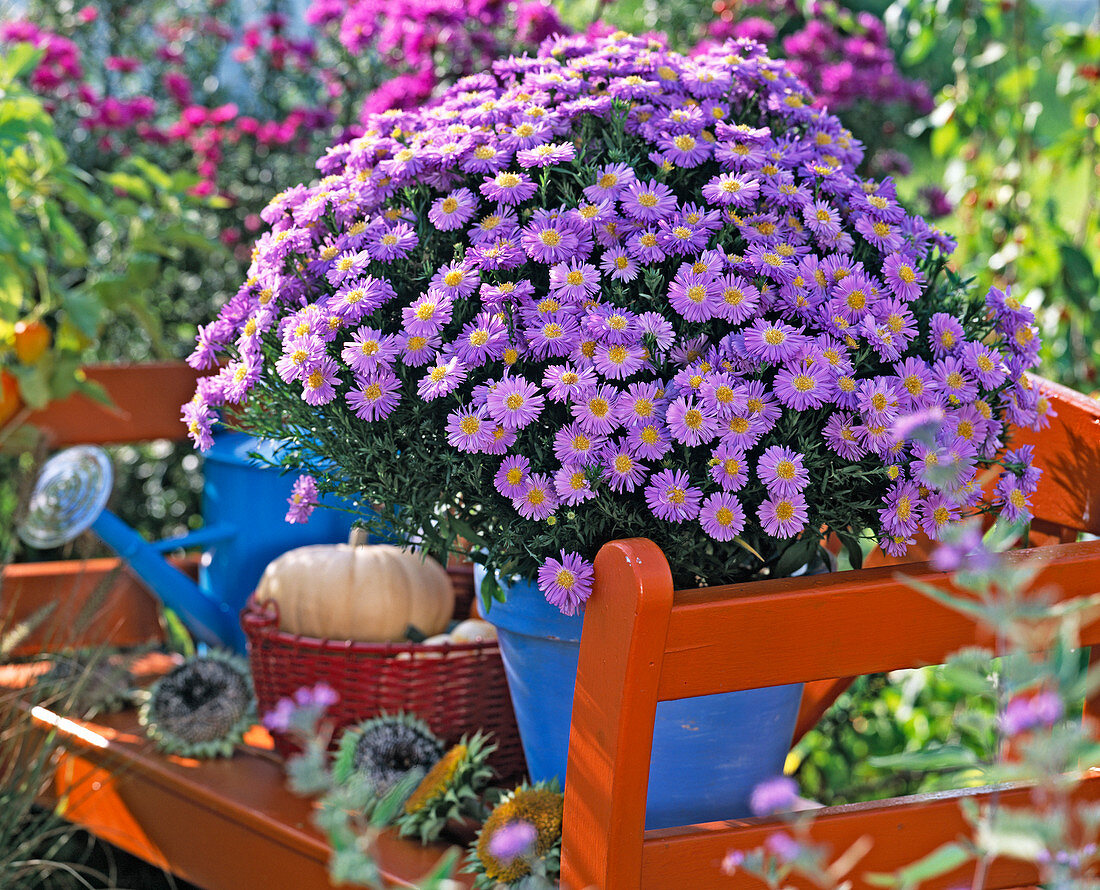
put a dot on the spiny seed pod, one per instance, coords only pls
(201, 708)
(451, 791)
(385, 748)
(85, 685)
(540, 806)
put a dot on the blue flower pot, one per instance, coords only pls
(708, 752)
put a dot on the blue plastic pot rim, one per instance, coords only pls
(536, 617)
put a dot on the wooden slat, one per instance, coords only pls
(608, 772)
(1068, 452)
(768, 633)
(902, 830)
(226, 824)
(96, 602)
(146, 405)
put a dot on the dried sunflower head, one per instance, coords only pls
(385, 748)
(451, 790)
(203, 707)
(539, 805)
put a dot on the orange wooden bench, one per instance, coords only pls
(225, 824)
(643, 643)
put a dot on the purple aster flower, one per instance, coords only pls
(937, 512)
(375, 396)
(546, 155)
(427, 314)
(417, 351)
(1028, 711)
(737, 299)
(645, 247)
(392, 243)
(454, 210)
(984, 363)
(302, 500)
(441, 380)
(1011, 498)
(903, 278)
(566, 582)
(773, 341)
(649, 441)
(502, 223)
(549, 240)
(572, 445)
(618, 362)
(671, 496)
(878, 401)
(508, 188)
(884, 236)
(349, 264)
(639, 404)
(694, 296)
(619, 265)
(778, 795)
(690, 422)
(722, 516)
(648, 201)
(783, 517)
(538, 500)
(841, 435)
(515, 402)
(511, 479)
(732, 190)
(572, 485)
(574, 281)
(802, 386)
(564, 383)
(611, 182)
(729, 467)
(319, 385)
(621, 468)
(782, 470)
(454, 280)
(594, 410)
(953, 381)
(300, 356)
(469, 429)
(899, 516)
(945, 334)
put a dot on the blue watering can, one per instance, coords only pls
(243, 508)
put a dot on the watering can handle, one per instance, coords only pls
(208, 619)
(209, 534)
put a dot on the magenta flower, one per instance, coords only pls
(722, 516)
(782, 470)
(375, 397)
(454, 210)
(511, 479)
(508, 188)
(778, 795)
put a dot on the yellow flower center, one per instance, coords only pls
(785, 469)
(470, 425)
(784, 510)
(425, 311)
(676, 495)
(693, 419)
(575, 278)
(647, 199)
(724, 517)
(599, 407)
(774, 336)
(550, 238)
(803, 383)
(608, 180)
(623, 464)
(697, 293)
(316, 379)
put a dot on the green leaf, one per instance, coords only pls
(795, 556)
(1078, 276)
(19, 61)
(917, 49)
(938, 862)
(490, 590)
(34, 384)
(944, 138)
(85, 310)
(73, 252)
(129, 183)
(946, 757)
(11, 292)
(151, 172)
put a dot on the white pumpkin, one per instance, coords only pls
(368, 593)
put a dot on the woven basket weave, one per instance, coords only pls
(455, 688)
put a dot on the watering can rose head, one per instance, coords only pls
(612, 291)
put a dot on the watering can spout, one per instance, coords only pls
(207, 618)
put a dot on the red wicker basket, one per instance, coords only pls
(457, 689)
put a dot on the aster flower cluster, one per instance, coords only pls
(608, 291)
